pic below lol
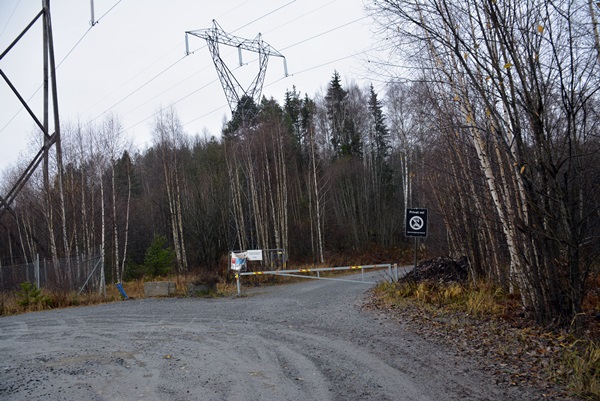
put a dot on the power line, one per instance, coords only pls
(173, 103)
(103, 15)
(325, 32)
(136, 90)
(297, 73)
(326, 63)
(272, 83)
(166, 90)
(10, 17)
(162, 72)
(206, 114)
(59, 64)
(74, 46)
(178, 46)
(176, 62)
(118, 87)
(263, 16)
(300, 16)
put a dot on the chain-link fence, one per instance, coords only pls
(76, 273)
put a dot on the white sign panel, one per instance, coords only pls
(254, 254)
(238, 261)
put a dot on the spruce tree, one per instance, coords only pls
(381, 135)
(345, 139)
(293, 109)
(244, 116)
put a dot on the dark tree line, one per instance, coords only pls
(313, 176)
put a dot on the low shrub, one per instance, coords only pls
(29, 297)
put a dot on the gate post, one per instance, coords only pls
(37, 270)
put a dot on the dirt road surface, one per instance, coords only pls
(304, 341)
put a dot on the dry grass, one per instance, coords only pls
(54, 300)
(475, 300)
(574, 362)
(581, 362)
(9, 302)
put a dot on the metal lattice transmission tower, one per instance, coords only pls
(50, 139)
(234, 91)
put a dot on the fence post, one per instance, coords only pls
(102, 276)
(37, 270)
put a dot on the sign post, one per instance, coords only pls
(416, 226)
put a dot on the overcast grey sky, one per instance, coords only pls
(133, 62)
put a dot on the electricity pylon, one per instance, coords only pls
(50, 139)
(234, 91)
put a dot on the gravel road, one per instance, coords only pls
(305, 341)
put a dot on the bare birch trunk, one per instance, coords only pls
(595, 27)
(126, 240)
(274, 210)
(184, 263)
(168, 137)
(236, 196)
(114, 223)
(103, 228)
(282, 193)
(317, 197)
(172, 212)
(63, 212)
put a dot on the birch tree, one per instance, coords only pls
(168, 139)
(314, 179)
(523, 79)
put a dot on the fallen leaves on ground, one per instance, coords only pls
(515, 351)
(517, 356)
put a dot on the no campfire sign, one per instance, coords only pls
(416, 223)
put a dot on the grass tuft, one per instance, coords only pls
(581, 370)
(576, 362)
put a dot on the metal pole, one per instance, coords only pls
(239, 288)
(90, 276)
(415, 268)
(37, 270)
(102, 275)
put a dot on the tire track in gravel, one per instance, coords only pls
(305, 341)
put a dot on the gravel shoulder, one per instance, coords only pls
(307, 341)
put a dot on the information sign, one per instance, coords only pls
(416, 222)
(254, 254)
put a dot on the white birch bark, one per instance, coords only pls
(126, 240)
(114, 223)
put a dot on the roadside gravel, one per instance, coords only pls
(304, 341)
